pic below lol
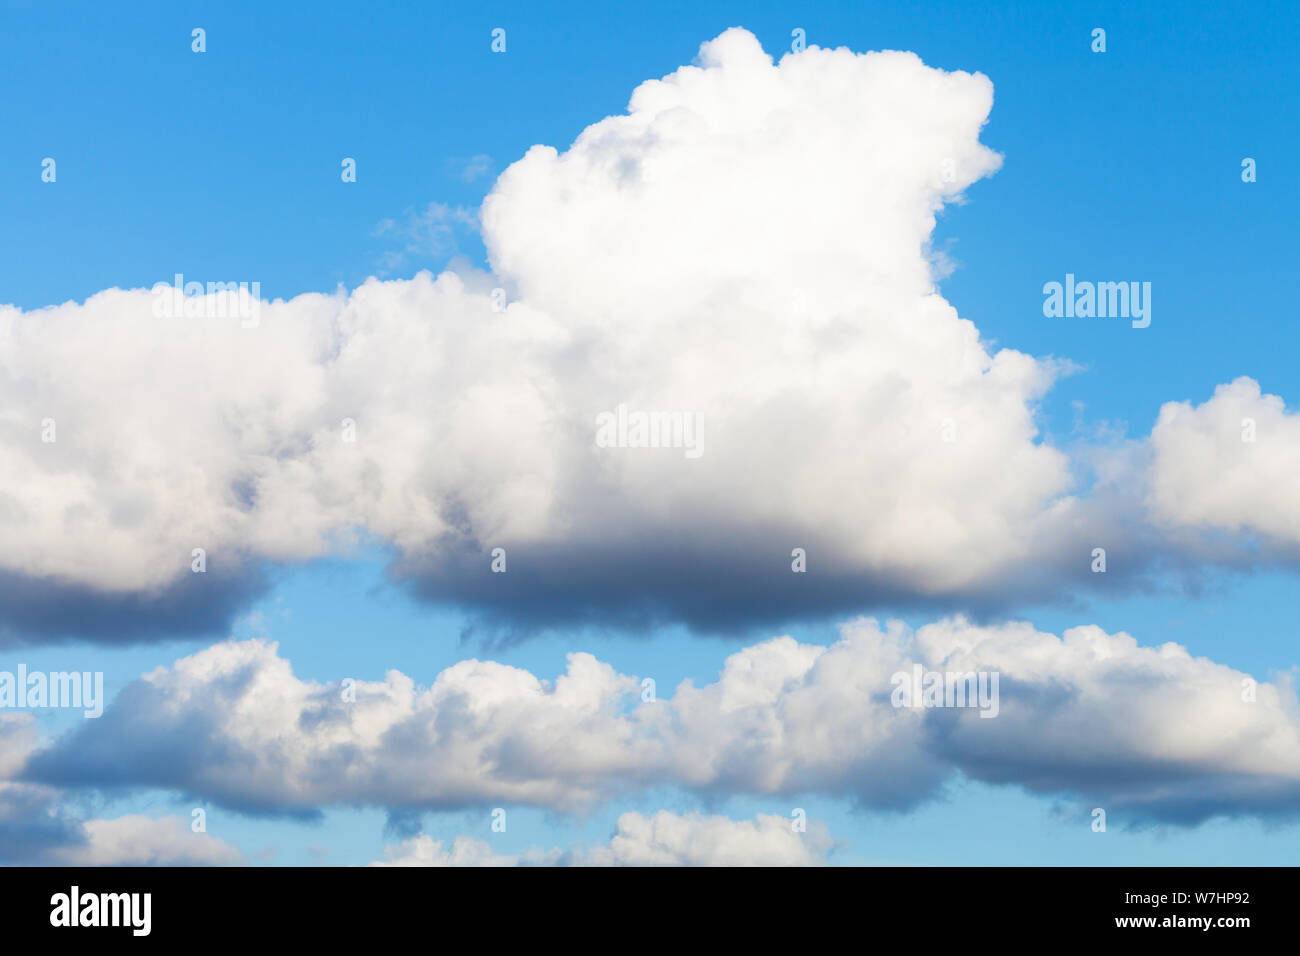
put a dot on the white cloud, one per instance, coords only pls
(663, 839)
(1230, 463)
(748, 242)
(424, 850)
(138, 840)
(669, 839)
(1149, 730)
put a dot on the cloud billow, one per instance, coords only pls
(748, 245)
(1151, 734)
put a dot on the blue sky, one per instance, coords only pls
(1122, 165)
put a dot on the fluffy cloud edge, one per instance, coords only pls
(1152, 733)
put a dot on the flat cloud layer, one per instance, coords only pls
(746, 246)
(663, 839)
(1148, 733)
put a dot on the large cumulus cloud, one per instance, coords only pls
(747, 244)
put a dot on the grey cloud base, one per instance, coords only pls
(38, 827)
(36, 610)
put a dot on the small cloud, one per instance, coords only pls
(423, 233)
(475, 167)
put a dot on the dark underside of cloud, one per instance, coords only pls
(39, 611)
(744, 584)
(733, 584)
